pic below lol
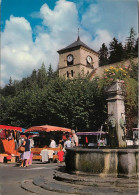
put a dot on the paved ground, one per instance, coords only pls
(38, 180)
(11, 177)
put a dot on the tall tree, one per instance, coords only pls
(130, 44)
(136, 48)
(116, 51)
(42, 76)
(9, 90)
(50, 71)
(33, 78)
(103, 55)
(10, 82)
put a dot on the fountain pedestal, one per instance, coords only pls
(116, 113)
(103, 162)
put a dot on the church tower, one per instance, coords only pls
(77, 59)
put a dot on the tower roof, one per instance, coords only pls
(77, 43)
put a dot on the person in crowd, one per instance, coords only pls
(60, 153)
(74, 139)
(25, 157)
(31, 142)
(136, 142)
(60, 145)
(52, 143)
(31, 146)
(102, 142)
(11, 136)
(67, 142)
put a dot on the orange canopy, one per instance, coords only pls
(47, 128)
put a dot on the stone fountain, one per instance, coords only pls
(116, 161)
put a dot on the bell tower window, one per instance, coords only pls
(72, 73)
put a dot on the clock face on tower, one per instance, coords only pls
(89, 59)
(70, 58)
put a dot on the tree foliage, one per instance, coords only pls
(128, 74)
(118, 51)
(103, 55)
(71, 103)
(130, 46)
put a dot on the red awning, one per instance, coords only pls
(47, 128)
(10, 127)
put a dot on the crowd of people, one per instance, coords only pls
(27, 144)
(70, 141)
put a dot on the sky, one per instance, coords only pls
(32, 31)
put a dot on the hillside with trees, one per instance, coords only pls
(44, 98)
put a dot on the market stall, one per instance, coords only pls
(93, 139)
(9, 136)
(42, 142)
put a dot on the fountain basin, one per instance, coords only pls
(103, 162)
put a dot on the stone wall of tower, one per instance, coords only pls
(77, 70)
(79, 66)
(83, 55)
(63, 58)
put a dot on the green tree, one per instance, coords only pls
(34, 79)
(50, 72)
(103, 55)
(8, 90)
(42, 76)
(131, 101)
(129, 77)
(130, 44)
(136, 48)
(68, 103)
(115, 51)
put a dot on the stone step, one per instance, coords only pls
(53, 185)
(68, 188)
(29, 186)
(96, 181)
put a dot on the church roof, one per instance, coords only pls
(77, 43)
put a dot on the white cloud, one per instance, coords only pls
(102, 36)
(91, 16)
(61, 22)
(21, 54)
(115, 16)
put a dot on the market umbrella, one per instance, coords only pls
(47, 128)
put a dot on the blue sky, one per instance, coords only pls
(33, 30)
